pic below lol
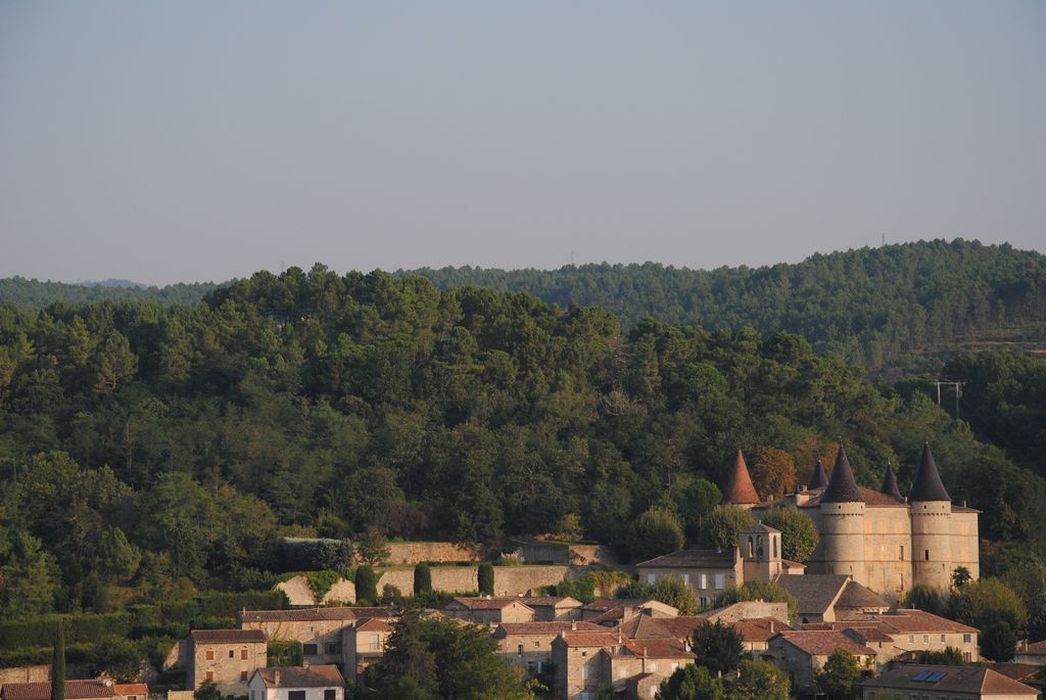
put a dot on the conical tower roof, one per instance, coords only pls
(842, 488)
(928, 485)
(740, 490)
(820, 478)
(890, 484)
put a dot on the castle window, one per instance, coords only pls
(926, 554)
(774, 541)
(902, 552)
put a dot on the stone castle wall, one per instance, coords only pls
(26, 674)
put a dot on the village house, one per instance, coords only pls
(584, 662)
(831, 597)
(800, 654)
(365, 643)
(548, 608)
(226, 657)
(489, 611)
(945, 682)
(527, 646)
(323, 682)
(1034, 653)
(321, 631)
(902, 633)
(611, 611)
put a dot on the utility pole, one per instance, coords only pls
(958, 392)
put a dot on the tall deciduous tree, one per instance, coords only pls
(799, 536)
(718, 647)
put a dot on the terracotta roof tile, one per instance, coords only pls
(590, 639)
(299, 615)
(551, 601)
(301, 676)
(814, 593)
(485, 603)
(824, 642)
(227, 636)
(952, 679)
(74, 690)
(856, 595)
(131, 689)
(694, 558)
(657, 648)
(740, 490)
(374, 624)
(548, 627)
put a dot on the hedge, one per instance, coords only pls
(208, 610)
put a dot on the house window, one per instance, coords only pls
(296, 695)
(703, 581)
(650, 578)
(232, 653)
(967, 638)
(333, 648)
(308, 649)
(774, 541)
(942, 639)
(926, 639)
(243, 675)
(750, 549)
(243, 654)
(375, 642)
(967, 656)
(210, 675)
(519, 650)
(720, 581)
(330, 694)
(532, 668)
(210, 654)
(686, 579)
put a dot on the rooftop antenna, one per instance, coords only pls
(571, 257)
(884, 238)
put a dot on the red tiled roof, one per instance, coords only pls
(760, 629)
(551, 601)
(657, 648)
(952, 679)
(591, 639)
(909, 621)
(374, 624)
(740, 490)
(549, 627)
(301, 676)
(485, 603)
(824, 642)
(299, 615)
(74, 690)
(1025, 673)
(131, 689)
(227, 636)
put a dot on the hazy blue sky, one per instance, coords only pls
(205, 140)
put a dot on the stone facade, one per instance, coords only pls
(319, 631)
(884, 541)
(227, 657)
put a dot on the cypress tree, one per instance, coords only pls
(422, 579)
(485, 578)
(58, 666)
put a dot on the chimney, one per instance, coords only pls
(771, 626)
(276, 677)
(573, 625)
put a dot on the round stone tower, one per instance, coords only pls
(842, 523)
(931, 509)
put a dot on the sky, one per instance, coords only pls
(199, 140)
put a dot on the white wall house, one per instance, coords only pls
(297, 683)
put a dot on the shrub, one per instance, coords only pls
(366, 585)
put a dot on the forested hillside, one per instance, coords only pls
(180, 440)
(876, 306)
(34, 294)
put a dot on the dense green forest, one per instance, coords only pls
(142, 443)
(893, 306)
(876, 306)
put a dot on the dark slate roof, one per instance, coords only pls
(694, 559)
(814, 593)
(740, 490)
(858, 596)
(842, 487)
(928, 485)
(820, 477)
(890, 484)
